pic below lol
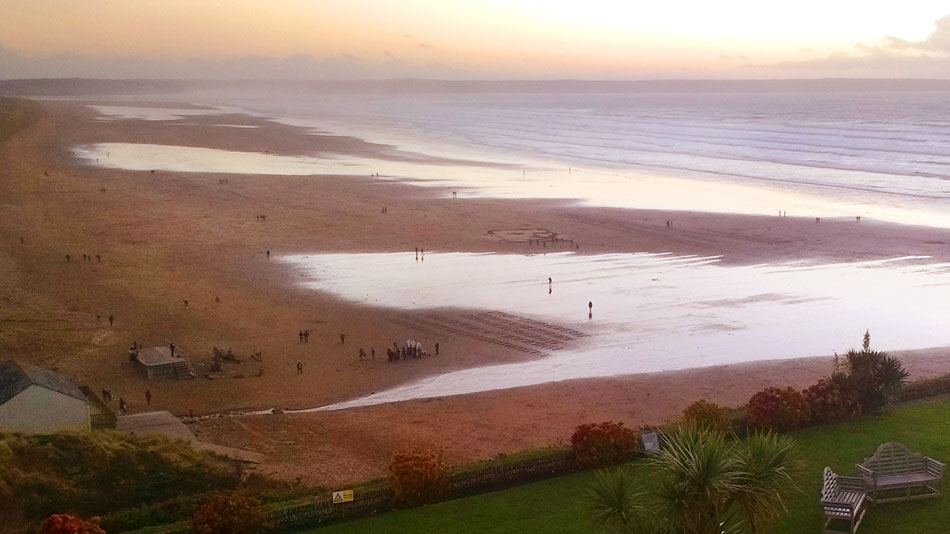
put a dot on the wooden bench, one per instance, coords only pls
(896, 473)
(842, 498)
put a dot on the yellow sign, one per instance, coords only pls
(342, 496)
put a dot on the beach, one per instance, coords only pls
(157, 239)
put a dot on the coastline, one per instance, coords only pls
(165, 237)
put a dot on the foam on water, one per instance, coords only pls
(590, 186)
(145, 157)
(110, 113)
(652, 312)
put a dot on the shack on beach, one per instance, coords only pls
(158, 362)
(37, 400)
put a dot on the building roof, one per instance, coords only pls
(16, 376)
(154, 356)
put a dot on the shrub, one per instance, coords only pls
(708, 415)
(927, 387)
(417, 475)
(228, 513)
(832, 399)
(67, 524)
(876, 377)
(600, 444)
(778, 409)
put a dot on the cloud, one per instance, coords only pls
(425, 45)
(938, 41)
(889, 56)
(725, 57)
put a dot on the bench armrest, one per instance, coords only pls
(935, 467)
(864, 471)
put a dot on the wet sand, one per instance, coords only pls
(165, 237)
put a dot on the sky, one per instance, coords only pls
(474, 39)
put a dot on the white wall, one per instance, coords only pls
(38, 410)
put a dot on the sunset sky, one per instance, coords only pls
(598, 39)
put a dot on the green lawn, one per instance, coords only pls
(559, 505)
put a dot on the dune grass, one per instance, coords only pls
(559, 505)
(100, 473)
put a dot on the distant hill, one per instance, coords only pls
(82, 87)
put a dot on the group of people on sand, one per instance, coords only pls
(304, 336)
(411, 349)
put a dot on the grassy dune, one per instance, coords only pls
(101, 473)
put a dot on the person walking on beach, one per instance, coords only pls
(122, 405)
(299, 367)
(300, 335)
(306, 336)
(590, 306)
(111, 319)
(171, 348)
(67, 258)
(268, 254)
(342, 339)
(148, 397)
(372, 353)
(436, 348)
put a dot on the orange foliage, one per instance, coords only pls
(228, 514)
(607, 443)
(67, 524)
(417, 475)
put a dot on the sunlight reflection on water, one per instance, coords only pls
(652, 312)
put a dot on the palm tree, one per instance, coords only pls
(616, 504)
(707, 485)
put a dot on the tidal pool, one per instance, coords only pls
(651, 312)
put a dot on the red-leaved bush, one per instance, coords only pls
(67, 524)
(599, 444)
(831, 400)
(417, 475)
(778, 409)
(229, 513)
(708, 415)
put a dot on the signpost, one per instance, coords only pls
(342, 497)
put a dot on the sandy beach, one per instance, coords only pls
(157, 239)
